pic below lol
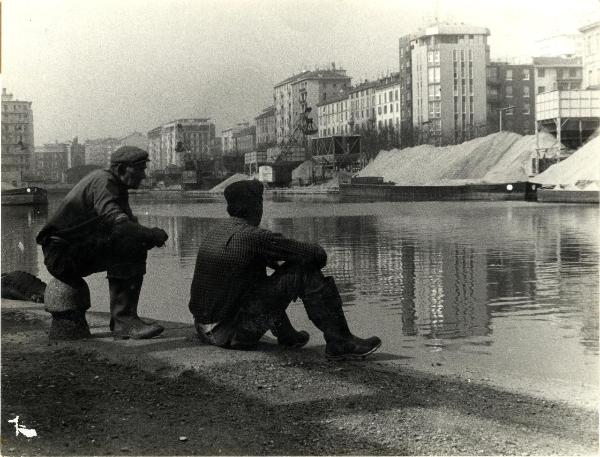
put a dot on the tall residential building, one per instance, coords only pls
(557, 73)
(98, 151)
(448, 68)
(591, 55)
(180, 142)
(265, 129)
(294, 95)
(406, 107)
(511, 85)
(17, 136)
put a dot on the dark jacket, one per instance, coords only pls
(232, 258)
(92, 207)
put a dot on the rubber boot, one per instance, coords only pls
(286, 334)
(69, 325)
(125, 322)
(324, 308)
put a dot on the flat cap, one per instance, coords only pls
(247, 193)
(129, 154)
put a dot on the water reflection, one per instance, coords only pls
(439, 271)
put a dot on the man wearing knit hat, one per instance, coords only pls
(233, 300)
(94, 230)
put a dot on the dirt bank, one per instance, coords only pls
(82, 403)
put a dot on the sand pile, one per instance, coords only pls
(497, 158)
(234, 178)
(581, 170)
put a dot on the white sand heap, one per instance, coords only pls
(234, 178)
(497, 158)
(580, 171)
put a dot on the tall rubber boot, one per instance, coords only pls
(125, 322)
(286, 334)
(324, 308)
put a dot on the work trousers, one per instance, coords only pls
(260, 306)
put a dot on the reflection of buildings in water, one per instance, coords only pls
(450, 291)
(566, 267)
(20, 226)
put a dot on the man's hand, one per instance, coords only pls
(159, 236)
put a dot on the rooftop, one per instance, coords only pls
(330, 73)
(452, 29)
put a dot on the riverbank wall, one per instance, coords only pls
(390, 192)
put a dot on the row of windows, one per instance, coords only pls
(6, 107)
(560, 72)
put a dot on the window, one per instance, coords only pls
(509, 75)
(541, 72)
(559, 73)
(572, 72)
(526, 108)
(509, 91)
(526, 74)
(526, 91)
(433, 75)
(541, 89)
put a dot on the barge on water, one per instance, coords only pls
(375, 188)
(21, 196)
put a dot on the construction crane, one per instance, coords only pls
(302, 128)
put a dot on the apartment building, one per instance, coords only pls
(135, 139)
(17, 135)
(180, 142)
(510, 86)
(448, 78)
(362, 106)
(406, 111)
(294, 95)
(591, 55)
(334, 116)
(557, 73)
(387, 98)
(245, 140)
(265, 129)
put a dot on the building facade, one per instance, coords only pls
(265, 129)
(333, 116)
(17, 135)
(293, 96)
(510, 85)
(406, 44)
(387, 98)
(229, 139)
(448, 78)
(135, 139)
(557, 73)
(98, 151)
(51, 161)
(591, 55)
(362, 106)
(245, 140)
(76, 154)
(180, 142)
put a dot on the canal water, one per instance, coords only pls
(500, 291)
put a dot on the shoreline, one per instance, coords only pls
(280, 401)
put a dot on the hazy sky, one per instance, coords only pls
(97, 68)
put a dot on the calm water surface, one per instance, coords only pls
(514, 282)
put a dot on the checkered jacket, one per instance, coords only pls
(232, 257)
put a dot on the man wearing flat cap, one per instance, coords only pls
(233, 300)
(94, 230)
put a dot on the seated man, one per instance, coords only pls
(94, 230)
(234, 302)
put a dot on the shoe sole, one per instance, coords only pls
(352, 356)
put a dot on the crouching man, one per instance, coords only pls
(94, 230)
(233, 300)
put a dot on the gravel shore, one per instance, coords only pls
(90, 402)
